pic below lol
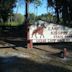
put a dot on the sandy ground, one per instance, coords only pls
(41, 58)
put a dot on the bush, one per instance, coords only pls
(10, 24)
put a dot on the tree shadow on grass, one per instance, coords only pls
(16, 64)
(13, 32)
(13, 43)
(62, 45)
(58, 45)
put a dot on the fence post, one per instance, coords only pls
(29, 44)
(65, 52)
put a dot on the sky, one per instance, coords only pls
(40, 10)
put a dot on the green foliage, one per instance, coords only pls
(11, 23)
(37, 3)
(6, 8)
(32, 18)
(18, 20)
(63, 7)
(46, 17)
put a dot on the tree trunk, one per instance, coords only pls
(28, 41)
(65, 12)
(57, 14)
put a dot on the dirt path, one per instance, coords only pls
(41, 58)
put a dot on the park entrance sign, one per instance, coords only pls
(44, 32)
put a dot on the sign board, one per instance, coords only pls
(49, 32)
